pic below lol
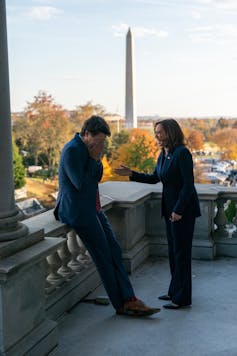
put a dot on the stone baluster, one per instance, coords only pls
(65, 257)
(220, 219)
(49, 287)
(75, 251)
(55, 263)
(84, 256)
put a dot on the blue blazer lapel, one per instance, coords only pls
(159, 164)
(167, 162)
(169, 159)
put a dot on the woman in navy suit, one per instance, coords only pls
(180, 206)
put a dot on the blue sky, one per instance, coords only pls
(185, 54)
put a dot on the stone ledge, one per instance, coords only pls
(28, 256)
(40, 341)
(9, 248)
(226, 247)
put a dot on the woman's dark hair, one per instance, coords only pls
(95, 125)
(175, 136)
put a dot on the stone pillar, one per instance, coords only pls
(24, 326)
(10, 228)
(130, 114)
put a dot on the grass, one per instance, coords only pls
(42, 190)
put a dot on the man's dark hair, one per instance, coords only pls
(95, 125)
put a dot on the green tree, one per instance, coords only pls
(118, 139)
(230, 211)
(19, 171)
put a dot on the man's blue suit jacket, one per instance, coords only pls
(79, 175)
(175, 171)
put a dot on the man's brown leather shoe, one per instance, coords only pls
(136, 308)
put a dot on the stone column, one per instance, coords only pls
(10, 228)
(130, 114)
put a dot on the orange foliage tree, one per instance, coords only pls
(226, 140)
(107, 170)
(85, 111)
(194, 139)
(43, 129)
(139, 153)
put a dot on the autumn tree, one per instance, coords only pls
(194, 139)
(234, 124)
(230, 152)
(223, 123)
(107, 170)
(226, 140)
(43, 129)
(83, 112)
(205, 126)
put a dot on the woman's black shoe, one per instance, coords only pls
(171, 306)
(164, 297)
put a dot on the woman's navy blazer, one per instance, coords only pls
(175, 171)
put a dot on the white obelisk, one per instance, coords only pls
(130, 108)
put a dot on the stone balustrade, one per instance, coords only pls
(134, 212)
(70, 273)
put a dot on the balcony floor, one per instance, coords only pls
(208, 328)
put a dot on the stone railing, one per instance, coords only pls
(134, 212)
(135, 216)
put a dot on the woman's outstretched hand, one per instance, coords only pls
(123, 171)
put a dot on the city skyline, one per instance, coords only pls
(185, 53)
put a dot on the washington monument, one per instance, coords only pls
(130, 107)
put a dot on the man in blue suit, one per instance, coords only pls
(78, 205)
(180, 206)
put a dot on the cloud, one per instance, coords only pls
(121, 30)
(196, 15)
(45, 1)
(144, 32)
(194, 60)
(42, 13)
(222, 4)
(218, 34)
(71, 77)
